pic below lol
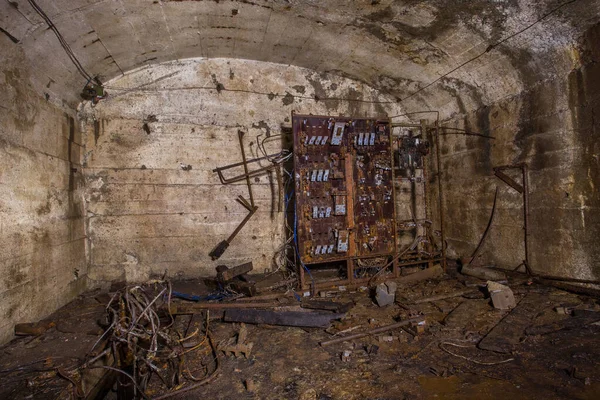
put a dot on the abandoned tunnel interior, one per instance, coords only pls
(299, 199)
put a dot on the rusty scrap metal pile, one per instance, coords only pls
(148, 347)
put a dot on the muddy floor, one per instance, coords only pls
(546, 347)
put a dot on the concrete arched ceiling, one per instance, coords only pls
(398, 47)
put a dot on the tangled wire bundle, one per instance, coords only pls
(150, 347)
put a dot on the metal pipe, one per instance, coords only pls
(440, 194)
(526, 215)
(239, 164)
(241, 225)
(241, 137)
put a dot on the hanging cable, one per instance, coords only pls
(490, 48)
(61, 40)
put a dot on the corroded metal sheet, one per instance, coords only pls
(344, 191)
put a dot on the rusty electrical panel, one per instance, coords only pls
(344, 188)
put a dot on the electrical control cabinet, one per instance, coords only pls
(343, 188)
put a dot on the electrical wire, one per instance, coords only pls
(490, 48)
(270, 95)
(441, 346)
(463, 132)
(62, 40)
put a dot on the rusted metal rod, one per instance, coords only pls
(241, 225)
(525, 193)
(372, 331)
(526, 215)
(440, 190)
(487, 229)
(238, 178)
(245, 163)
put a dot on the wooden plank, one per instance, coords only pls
(284, 318)
(225, 274)
(327, 305)
(193, 308)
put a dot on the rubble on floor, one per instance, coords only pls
(442, 335)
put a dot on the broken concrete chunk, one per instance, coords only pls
(385, 293)
(483, 273)
(346, 355)
(563, 310)
(502, 296)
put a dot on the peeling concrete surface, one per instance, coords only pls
(550, 127)
(43, 263)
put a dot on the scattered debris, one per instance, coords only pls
(381, 329)
(486, 273)
(385, 293)
(416, 328)
(563, 310)
(447, 349)
(501, 295)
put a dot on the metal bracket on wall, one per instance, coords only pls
(249, 205)
(524, 190)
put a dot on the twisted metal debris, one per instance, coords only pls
(148, 349)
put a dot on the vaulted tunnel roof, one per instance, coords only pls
(398, 47)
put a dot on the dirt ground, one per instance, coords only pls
(538, 352)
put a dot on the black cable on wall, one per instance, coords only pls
(61, 39)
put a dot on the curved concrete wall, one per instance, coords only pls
(145, 213)
(521, 70)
